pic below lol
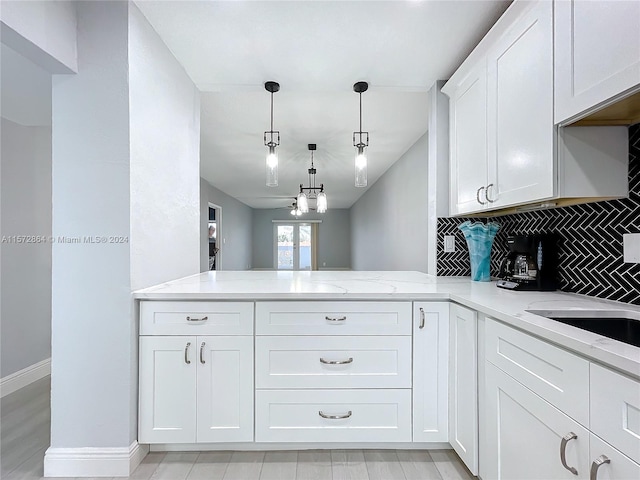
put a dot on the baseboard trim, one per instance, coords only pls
(93, 462)
(252, 446)
(24, 377)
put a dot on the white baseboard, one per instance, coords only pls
(93, 462)
(24, 377)
(252, 446)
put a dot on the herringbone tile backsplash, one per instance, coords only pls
(590, 249)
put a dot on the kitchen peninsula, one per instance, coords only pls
(280, 360)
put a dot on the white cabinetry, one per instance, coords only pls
(195, 388)
(544, 408)
(505, 150)
(430, 371)
(597, 54)
(463, 385)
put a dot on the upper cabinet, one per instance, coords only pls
(505, 149)
(597, 58)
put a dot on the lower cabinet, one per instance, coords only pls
(463, 385)
(196, 389)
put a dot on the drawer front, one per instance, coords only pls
(615, 410)
(333, 362)
(558, 376)
(333, 318)
(306, 415)
(619, 467)
(196, 318)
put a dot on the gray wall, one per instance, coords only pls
(389, 222)
(334, 237)
(235, 227)
(25, 318)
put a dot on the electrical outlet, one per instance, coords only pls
(631, 247)
(449, 243)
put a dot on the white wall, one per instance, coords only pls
(44, 31)
(389, 222)
(334, 237)
(165, 160)
(25, 317)
(235, 228)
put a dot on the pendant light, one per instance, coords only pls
(314, 192)
(271, 141)
(361, 141)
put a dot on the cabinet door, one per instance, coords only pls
(468, 143)
(524, 434)
(167, 390)
(597, 54)
(225, 389)
(463, 385)
(430, 372)
(618, 467)
(521, 133)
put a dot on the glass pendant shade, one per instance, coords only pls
(303, 202)
(361, 167)
(321, 202)
(272, 167)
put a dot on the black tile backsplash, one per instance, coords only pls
(590, 249)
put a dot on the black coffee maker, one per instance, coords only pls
(531, 263)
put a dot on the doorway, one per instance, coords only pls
(294, 246)
(215, 219)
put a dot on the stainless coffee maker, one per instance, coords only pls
(531, 263)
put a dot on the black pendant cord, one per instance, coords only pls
(272, 116)
(360, 95)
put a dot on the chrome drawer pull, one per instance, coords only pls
(597, 463)
(563, 448)
(202, 353)
(421, 318)
(478, 196)
(336, 362)
(334, 417)
(339, 319)
(186, 353)
(486, 194)
(203, 319)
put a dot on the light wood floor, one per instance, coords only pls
(25, 424)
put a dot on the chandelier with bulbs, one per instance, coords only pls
(314, 192)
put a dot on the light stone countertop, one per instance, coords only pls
(507, 306)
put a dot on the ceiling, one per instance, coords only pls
(316, 50)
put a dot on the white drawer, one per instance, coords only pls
(368, 415)
(333, 318)
(560, 377)
(619, 466)
(615, 410)
(196, 318)
(304, 362)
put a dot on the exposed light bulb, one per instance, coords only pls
(272, 167)
(361, 167)
(303, 203)
(321, 202)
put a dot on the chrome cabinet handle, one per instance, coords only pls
(597, 463)
(421, 318)
(338, 319)
(202, 353)
(186, 353)
(203, 319)
(478, 196)
(334, 417)
(486, 194)
(336, 362)
(563, 447)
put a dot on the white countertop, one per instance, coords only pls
(485, 297)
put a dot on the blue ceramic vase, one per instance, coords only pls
(479, 238)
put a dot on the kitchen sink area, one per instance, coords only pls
(621, 325)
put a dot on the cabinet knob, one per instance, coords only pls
(563, 450)
(597, 463)
(421, 318)
(186, 354)
(478, 196)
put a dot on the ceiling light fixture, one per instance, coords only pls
(361, 141)
(295, 211)
(314, 192)
(272, 140)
